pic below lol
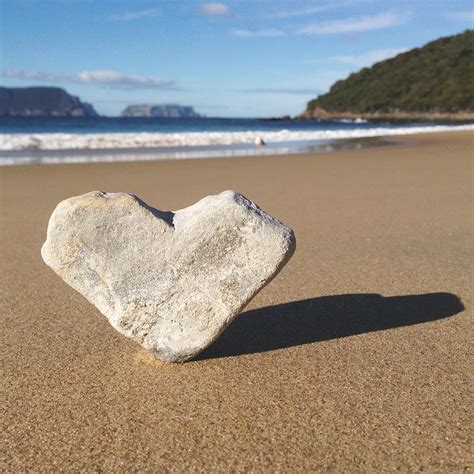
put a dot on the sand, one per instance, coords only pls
(356, 357)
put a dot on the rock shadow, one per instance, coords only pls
(325, 318)
(167, 216)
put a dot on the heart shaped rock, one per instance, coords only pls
(171, 281)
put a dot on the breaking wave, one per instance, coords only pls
(104, 141)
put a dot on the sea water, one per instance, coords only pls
(72, 140)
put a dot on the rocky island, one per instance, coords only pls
(160, 111)
(434, 82)
(42, 102)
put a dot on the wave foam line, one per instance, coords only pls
(70, 141)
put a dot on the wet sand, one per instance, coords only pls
(356, 357)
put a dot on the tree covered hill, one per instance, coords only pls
(433, 81)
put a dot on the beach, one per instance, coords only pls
(355, 358)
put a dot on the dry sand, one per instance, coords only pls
(355, 358)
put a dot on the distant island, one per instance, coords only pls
(160, 111)
(42, 102)
(434, 82)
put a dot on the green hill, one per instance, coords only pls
(434, 81)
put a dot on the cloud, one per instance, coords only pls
(107, 78)
(307, 11)
(467, 16)
(280, 91)
(215, 9)
(369, 57)
(265, 33)
(355, 24)
(130, 16)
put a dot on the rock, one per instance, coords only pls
(171, 281)
(160, 111)
(42, 102)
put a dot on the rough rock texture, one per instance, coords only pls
(171, 281)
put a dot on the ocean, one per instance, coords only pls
(77, 140)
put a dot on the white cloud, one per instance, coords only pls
(311, 10)
(265, 33)
(355, 24)
(130, 16)
(215, 9)
(101, 77)
(31, 75)
(467, 16)
(281, 91)
(369, 57)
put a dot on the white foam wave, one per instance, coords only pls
(70, 141)
(356, 120)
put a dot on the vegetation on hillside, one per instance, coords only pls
(436, 78)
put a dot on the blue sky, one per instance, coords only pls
(242, 58)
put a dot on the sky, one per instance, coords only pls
(238, 58)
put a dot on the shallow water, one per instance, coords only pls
(49, 141)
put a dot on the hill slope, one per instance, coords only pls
(42, 102)
(434, 81)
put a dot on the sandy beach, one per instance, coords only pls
(355, 358)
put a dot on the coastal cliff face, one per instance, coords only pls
(42, 102)
(160, 111)
(434, 82)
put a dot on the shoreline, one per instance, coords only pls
(395, 117)
(148, 151)
(356, 357)
(121, 155)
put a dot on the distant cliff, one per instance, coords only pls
(432, 82)
(42, 102)
(161, 111)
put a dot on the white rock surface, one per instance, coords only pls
(171, 281)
